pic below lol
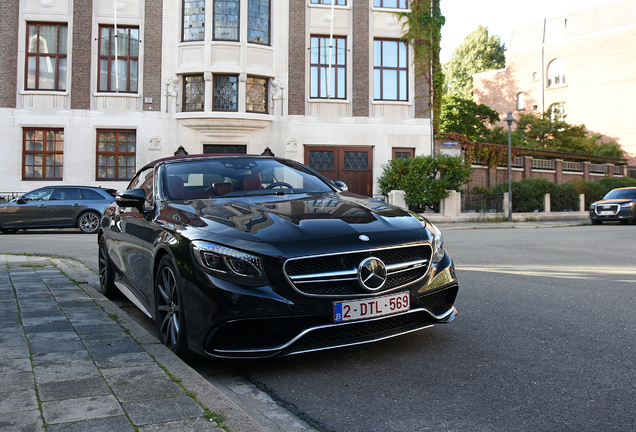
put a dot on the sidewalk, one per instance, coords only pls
(70, 360)
(508, 225)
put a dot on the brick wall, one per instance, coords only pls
(360, 57)
(297, 52)
(8, 52)
(152, 54)
(81, 68)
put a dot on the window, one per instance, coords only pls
(403, 153)
(225, 93)
(391, 4)
(193, 20)
(118, 75)
(520, 102)
(390, 70)
(43, 154)
(535, 76)
(256, 95)
(556, 112)
(320, 67)
(46, 57)
(556, 73)
(328, 2)
(224, 148)
(193, 93)
(226, 20)
(116, 153)
(258, 18)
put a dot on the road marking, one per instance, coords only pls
(574, 272)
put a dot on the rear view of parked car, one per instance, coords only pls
(618, 205)
(56, 207)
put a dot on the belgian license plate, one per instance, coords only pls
(607, 212)
(371, 307)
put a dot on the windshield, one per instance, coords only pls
(238, 176)
(621, 194)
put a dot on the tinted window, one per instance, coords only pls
(91, 195)
(66, 194)
(39, 195)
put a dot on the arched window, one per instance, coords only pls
(556, 73)
(556, 111)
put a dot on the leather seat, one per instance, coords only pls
(253, 182)
(222, 188)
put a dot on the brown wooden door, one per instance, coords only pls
(352, 165)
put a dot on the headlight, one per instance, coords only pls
(230, 264)
(438, 244)
(627, 205)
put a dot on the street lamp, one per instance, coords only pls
(509, 120)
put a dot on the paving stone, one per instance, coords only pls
(162, 410)
(9, 352)
(122, 360)
(199, 424)
(62, 326)
(16, 365)
(60, 366)
(132, 374)
(75, 388)
(42, 313)
(58, 346)
(108, 424)
(16, 381)
(46, 320)
(53, 336)
(106, 338)
(23, 400)
(147, 389)
(11, 340)
(129, 346)
(24, 421)
(13, 318)
(72, 410)
(109, 327)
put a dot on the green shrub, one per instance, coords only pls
(599, 188)
(527, 194)
(425, 179)
(564, 198)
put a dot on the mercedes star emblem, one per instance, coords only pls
(372, 274)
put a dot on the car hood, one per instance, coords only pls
(290, 217)
(613, 201)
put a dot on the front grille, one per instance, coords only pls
(613, 208)
(336, 275)
(440, 301)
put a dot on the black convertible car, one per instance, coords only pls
(256, 256)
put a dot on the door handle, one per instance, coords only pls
(75, 205)
(41, 206)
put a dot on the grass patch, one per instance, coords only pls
(33, 265)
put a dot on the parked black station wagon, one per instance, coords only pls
(256, 256)
(56, 207)
(617, 205)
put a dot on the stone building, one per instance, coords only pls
(581, 63)
(92, 90)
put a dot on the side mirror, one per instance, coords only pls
(20, 200)
(340, 185)
(132, 198)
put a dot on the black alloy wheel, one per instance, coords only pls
(88, 222)
(169, 311)
(106, 277)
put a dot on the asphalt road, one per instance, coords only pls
(543, 341)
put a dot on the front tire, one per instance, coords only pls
(88, 222)
(169, 309)
(106, 276)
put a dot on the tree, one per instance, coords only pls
(425, 179)
(466, 117)
(550, 131)
(479, 52)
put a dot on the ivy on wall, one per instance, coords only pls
(491, 155)
(423, 32)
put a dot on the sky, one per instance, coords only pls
(500, 17)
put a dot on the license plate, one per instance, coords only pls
(606, 213)
(371, 307)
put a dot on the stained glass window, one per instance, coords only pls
(258, 18)
(116, 154)
(225, 92)
(321, 160)
(256, 95)
(226, 19)
(193, 93)
(356, 160)
(43, 154)
(46, 57)
(193, 20)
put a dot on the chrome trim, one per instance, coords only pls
(125, 291)
(393, 268)
(445, 317)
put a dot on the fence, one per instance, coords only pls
(8, 196)
(481, 203)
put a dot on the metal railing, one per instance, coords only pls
(481, 203)
(572, 166)
(544, 164)
(8, 196)
(599, 169)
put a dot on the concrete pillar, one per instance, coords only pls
(546, 203)
(582, 203)
(586, 171)
(451, 205)
(558, 171)
(398, 199)
(527, 167)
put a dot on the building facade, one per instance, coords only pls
(580, 64)
(95, 89)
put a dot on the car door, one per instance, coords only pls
(64, 205)
(29, 210)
